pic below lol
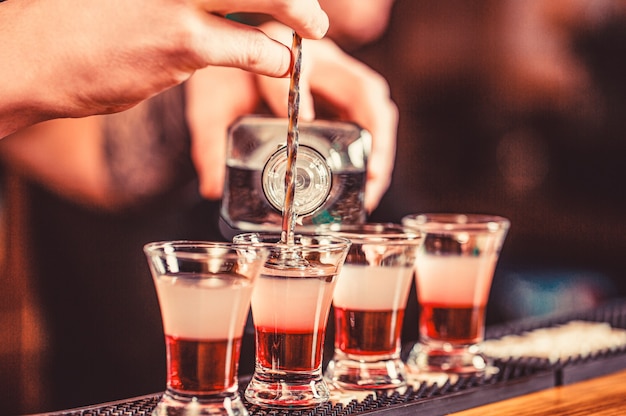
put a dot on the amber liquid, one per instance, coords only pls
(456, 324)
(368, 332)
(202, 366)
(291, 350)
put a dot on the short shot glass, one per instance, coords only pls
(369, 304)
(454, 271)
(204, 291)
(290, 308)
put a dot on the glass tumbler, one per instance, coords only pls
(454, 270)
(290, 308)
(369, 303)
(204, 292)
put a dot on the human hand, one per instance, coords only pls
(215, 98)
(73, 59)
(356, 22)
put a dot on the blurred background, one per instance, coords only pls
(517, 108)
(507, 107)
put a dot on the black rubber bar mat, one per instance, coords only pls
(517, 376)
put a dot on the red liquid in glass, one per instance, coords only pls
(202, 366)
(456, 324)
(368, 332)
(289, 350)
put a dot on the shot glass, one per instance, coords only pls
(369, 303)
(290, 308)
(454, 270)
(204, 292)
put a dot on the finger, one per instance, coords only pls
(216, 97)
(360, 95)
(306, 17)
(275, 91)
(234, 44)
(382, 157)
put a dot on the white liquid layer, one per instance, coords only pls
(454, 280)
(292, 303)
(373, 288)
(210, 308)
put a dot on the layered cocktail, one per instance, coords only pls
(290, 308)
(204, 292)
(454, 271)
(369, 304)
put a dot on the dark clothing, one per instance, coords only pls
(90, 274)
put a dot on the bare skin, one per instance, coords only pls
(356, 93)
(74, 59)
(67, 155)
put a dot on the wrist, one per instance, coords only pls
(29, 89)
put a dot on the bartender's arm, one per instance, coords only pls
(77, 58)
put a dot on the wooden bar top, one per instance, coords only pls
(604, 395)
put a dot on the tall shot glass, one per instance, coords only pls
(369, 303)
(204, 292)
(454, 271)
(290, 308)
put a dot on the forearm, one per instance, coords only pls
(25, 86)
(64, 156)
(68, 58)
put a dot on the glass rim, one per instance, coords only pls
(272, 241)
(194, 249)
(450, 221)
(372, 232)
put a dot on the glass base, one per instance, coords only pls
(443, 357)
(174, 404)
(347, 371)
(287, 389)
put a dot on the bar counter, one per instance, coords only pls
(593, 383)
(600, 396)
